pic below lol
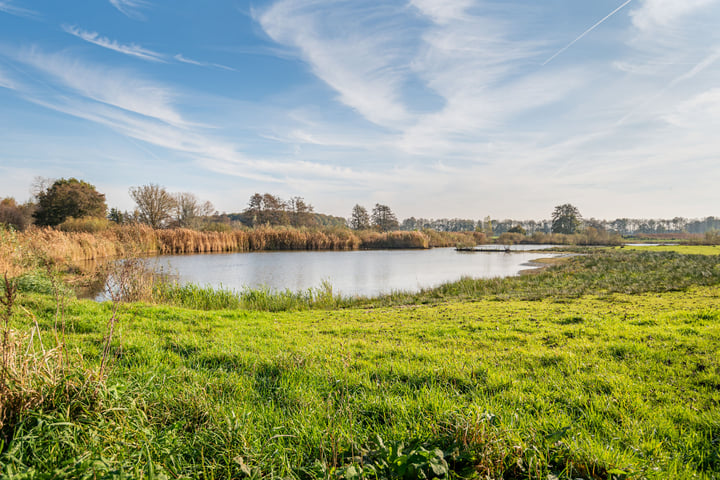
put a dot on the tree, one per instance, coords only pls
(118, 217)
(275, 210)
(301, 213)
(268, 209)
(383, 218)
(188, 209)
(68, 198)
(566, 219)
(155, 205)
(15, 215)
(253, 213)
(359, 219)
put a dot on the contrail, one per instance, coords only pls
(586, 32)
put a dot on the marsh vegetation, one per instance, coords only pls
(602, 366)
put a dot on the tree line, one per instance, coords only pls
(56, 201)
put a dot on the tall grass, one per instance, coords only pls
(34, 372)
(259, 299)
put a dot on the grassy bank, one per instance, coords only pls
(611, 386)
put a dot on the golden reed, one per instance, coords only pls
(67, 247)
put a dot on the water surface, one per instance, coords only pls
(359, 272)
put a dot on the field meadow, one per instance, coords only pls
(606, 366)
(683, 249)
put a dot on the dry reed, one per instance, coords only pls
(124, 241)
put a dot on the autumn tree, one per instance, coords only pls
(566, 219)
(275, 210)
(67, 198)
(359, 219)
(154, 204)
(18, 216)
(383, 218)
(301, 213)
(189, 208)
(267, 209)
(518, 229)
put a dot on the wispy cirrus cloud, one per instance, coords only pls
(182, 59)
(104, 42)
(135, 50)
(130, 8)
(360, 52)
(143, 110)
(467, 60)
(495, 110)
(7, 6)
(120, 88)
(660, 13)
(5, 81)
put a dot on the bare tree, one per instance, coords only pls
(188, 209)
(155, 205)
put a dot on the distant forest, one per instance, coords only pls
(75, 205)
(623, 226)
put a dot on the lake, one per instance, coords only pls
(358, 272)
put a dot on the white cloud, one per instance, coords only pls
(370, 55)
(660, 13)
(5, 81)
(190, 61)
(130, 8)
(699, 113)
(8, 7)
(443, 11)
(141, 110)
(358, 51)
(131, 49)
(110, 86)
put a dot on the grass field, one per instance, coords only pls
(485, 380)
(683, 249)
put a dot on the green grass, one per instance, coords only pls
(604, 377)
(682, 249)
(264, 299)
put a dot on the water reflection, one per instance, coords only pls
(364, 272)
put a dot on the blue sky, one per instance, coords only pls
(437, 108)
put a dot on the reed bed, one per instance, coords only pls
(414, 239)
(452, 239)
(69, 247)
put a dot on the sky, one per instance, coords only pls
(436, 108)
